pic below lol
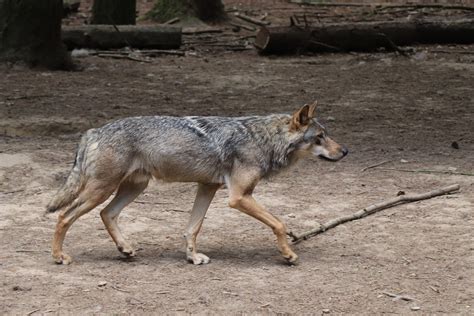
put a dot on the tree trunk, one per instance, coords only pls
(205, 10)
(209, 10)
(137, 36)
(30, 31)
(114, 12)
(366, 36)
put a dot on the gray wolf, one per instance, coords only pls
(237, 152)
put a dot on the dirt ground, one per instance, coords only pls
(407, 111)
(413, 113)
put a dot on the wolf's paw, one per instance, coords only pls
(127, 251)
(291, 258)
(198, 258)
(62, 258)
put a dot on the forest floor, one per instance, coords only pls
(414, 113)
(407, 111)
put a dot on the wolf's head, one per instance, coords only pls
(315, 137)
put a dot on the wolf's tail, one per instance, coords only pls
(74, 182)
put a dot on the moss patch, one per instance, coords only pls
(165, 10)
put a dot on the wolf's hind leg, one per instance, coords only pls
(126, 193)
(204, 196)
(94, 193)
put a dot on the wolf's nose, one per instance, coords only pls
(345, 151)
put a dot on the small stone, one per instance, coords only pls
(326, 311)
(102, 283)
(20, 288)
(331, 119)
(415, 308)
(420, 56)
(291, 215)
(403, 161)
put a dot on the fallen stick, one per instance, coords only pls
(29, 97)
(121, 56)
(200, 30)
(442, 51)
(153, 52)
(172, 21)
(397, 297)
(383, 6)
(32, 312)
(375, 165)
(251, 20)
(428, 6)
(243, 26)
(429, 171)
(402, 199)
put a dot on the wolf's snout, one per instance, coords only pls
(345, 151)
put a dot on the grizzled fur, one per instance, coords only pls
(122, 156)
(186, 149)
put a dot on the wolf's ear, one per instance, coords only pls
(300, 118)
(312, 108)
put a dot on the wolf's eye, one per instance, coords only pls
(320, 135)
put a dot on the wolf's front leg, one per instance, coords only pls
(241, 186)
(204, 196)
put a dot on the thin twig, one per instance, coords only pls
(250, 19)
(175, 210)
(333, 48)
(383, 6)
(13, 191)
(151, 52)
(428, 6)
(22, 97)
(371, 210)
(430, 171)
(442, 51)
(243, 26)
(197, 30)
(121, 56)
(172, 21)
(33, 251)
(162, 292)
(375, 165)
(150, 202)
(397, 297)
(119, 289)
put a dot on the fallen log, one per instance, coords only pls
(402, 199)
(111, 36)
(365, 36)
(383, 6)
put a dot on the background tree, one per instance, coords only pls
(205, 10)
(118, 12)
(30, 31)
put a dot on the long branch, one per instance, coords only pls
(371, 210)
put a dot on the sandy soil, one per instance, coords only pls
(407, 111)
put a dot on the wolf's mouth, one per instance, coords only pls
(327, 158)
